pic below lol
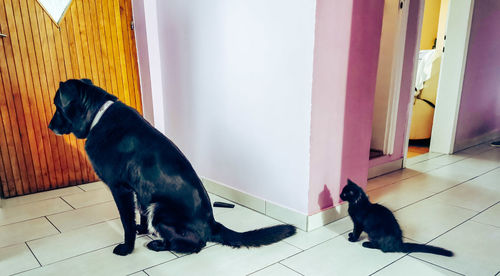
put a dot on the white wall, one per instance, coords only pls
(237, 80)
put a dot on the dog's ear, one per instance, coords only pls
(349, 182)
(87, 81)
(68, 91)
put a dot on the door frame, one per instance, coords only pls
(450, 83)
(449, 90)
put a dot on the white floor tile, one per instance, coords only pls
(306, 240)
(338, 256)
(490, 216)
(223, 260)
(32, 210)
(84, 216)
(409, 266)
(276, 270)
(20, 200)
(104, 262)
(93, 186)
(427, 219)
(244, 219)
(469, 196)
(15, 259)
(89, 198)
(66, 245)
(488, 180)
(422, 157)
(475, 246)
(390, 178)
(25, 231)
(403, 193)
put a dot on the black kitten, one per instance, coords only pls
(380, 224)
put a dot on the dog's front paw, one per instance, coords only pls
(352, 238)
(156, 245)
(141, 229)
(123, 249)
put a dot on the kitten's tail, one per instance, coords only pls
(409, 247)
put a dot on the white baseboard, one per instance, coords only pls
(385, 168)
(477, 140)
(283, 214)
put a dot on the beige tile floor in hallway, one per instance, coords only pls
(451, 201)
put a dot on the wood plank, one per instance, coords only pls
(120, 51)
(78, 72)
(77, 160)
(18, 86)
(109, 9)
(34, 93)
(54, 74)
(51, 74)
(40, 45)
(54, 32)
(133, 58)
(125, 30)
(7, 147)
(108, 49)
(90, 34)
(101, 37)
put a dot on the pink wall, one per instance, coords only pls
(412, 45)
(347, 40)
(479, 112)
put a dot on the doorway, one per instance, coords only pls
(389, 72)
(427, 76)
(439, 76)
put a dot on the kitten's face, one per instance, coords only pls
(351, 192)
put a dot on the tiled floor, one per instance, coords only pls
(449, 201)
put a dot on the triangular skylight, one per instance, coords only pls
(55, 8)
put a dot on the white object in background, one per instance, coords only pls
(55, 8)
(425, 60)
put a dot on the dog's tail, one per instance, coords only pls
(415, 247)
(254, 238)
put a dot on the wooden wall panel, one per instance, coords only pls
(93, 40)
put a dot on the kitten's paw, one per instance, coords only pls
(141, 229)
(123, 249)
(352, 238)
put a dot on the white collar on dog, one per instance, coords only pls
(99, 114)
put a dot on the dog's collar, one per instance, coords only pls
(99, 114)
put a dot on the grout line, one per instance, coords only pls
(291, 269)
(145, 272)
(442, 191)
(260, 269)
(33, 255)
(469, 219)
(436, 265)
(67, 203)
(53, 224)
(80, 188)
(388, 264)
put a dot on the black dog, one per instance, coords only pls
(139, 163)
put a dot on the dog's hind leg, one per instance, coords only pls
(185, 241)
(124, 199)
